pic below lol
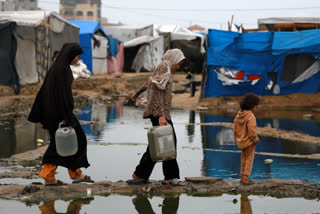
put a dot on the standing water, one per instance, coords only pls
(118, 138)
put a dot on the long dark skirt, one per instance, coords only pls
(170, 168)
(73, 162)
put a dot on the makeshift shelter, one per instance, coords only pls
(8, 48)
(138, 43)
(191, 44)
(265, 63)
(143, 53)
(39, 34)
(289, 23)
(95, 44)
(126, 33)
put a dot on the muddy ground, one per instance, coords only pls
(105, 89)
(198, 186)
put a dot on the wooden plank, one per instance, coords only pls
(297, 25)
(254, 30)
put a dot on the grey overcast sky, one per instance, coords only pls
(207, 13)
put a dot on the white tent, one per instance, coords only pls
(180, 33)
(126, 33)
(40, 33)
(150, 53)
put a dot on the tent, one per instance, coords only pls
(39, 34)
(142, 50)
(265, 63)
(143, 53)
(8, 48)
(191, 44)
(126, 33)
(95, 43)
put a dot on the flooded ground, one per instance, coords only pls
(198, 146)
(167, 205)
(199, 154)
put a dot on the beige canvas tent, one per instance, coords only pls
(39, 34)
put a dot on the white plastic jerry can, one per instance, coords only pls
(66, 141)
(161, 143)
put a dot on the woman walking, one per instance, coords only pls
(54, 104)
(159, 90)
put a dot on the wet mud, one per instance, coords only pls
(195, 186)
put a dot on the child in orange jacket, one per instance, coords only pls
(244, 129)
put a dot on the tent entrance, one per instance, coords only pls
(295, 65)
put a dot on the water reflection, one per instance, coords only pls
(19, 136)
(245, 205)
(101, 115)
(190, 128)
(226, 164)
(74, 206)
(169, 205)
(215, 137)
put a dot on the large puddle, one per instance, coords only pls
(197, 145)
(167, 205)
(198, 155)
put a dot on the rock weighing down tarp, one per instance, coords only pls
(280, 62)
(39, 34)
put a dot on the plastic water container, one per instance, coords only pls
(161, 143)
(66, 141)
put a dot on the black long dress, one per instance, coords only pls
(54, 103)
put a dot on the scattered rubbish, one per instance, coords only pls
(202, 107)
(318, 164)
(232, 103)
(40, 141)
(307, 116)
(190, 147)
(89, 192)
(37, 183)
(25, 198)
(30, 189)
(121, 122)
(39, 144)
(268, 161)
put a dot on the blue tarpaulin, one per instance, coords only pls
(258, 54)
(87, 31)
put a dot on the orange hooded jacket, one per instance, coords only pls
(244, 129)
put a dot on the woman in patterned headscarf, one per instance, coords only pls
(159, 90)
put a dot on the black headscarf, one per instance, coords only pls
(54, 101)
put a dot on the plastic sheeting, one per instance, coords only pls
(116, 63)
(126, 33)
(87, 31)
(149, 55)
(99, 55)
(8, 48)
(26, 62)
(259, 54)
(39, 33)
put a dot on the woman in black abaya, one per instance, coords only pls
(54, 104)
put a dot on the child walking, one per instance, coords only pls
(244, 129)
